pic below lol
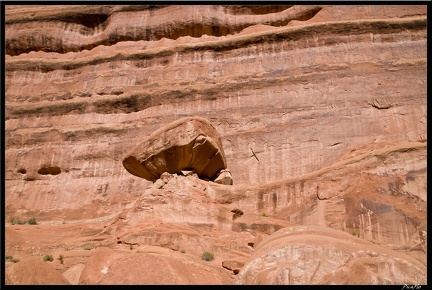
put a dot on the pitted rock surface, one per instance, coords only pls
(188, 143)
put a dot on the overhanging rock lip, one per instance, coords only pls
(177, 146)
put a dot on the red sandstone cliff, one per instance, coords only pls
(321, 112)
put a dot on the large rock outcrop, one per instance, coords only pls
(190, 143)
(317, 255)
(34, 271)
(109, 267)
(321, 112)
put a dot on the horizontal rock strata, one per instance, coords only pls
(307, 255)
(321, 111)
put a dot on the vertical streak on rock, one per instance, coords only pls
(275, 200)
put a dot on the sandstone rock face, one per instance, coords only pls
(33, 271)
(317, 255)
(318, 111)
(106, 266)
(73, 274)
(188, 143)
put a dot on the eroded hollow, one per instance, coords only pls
(237, 213)
(49, 170)
(88, 20)
(254, 9)
(22, 171)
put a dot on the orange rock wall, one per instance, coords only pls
(321, 109)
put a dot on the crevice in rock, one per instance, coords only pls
(50, 170)
(87, 20)
(237, 213)
(254, 9)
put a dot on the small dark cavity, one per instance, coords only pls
(237, 211)
(50, 170)
(254, 9)
(88, 20)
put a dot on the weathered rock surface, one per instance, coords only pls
(224, 177)
(187, 144)
(34, 271)
(321, 114)
(106, 266)
(73, 274)
(317, 255)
